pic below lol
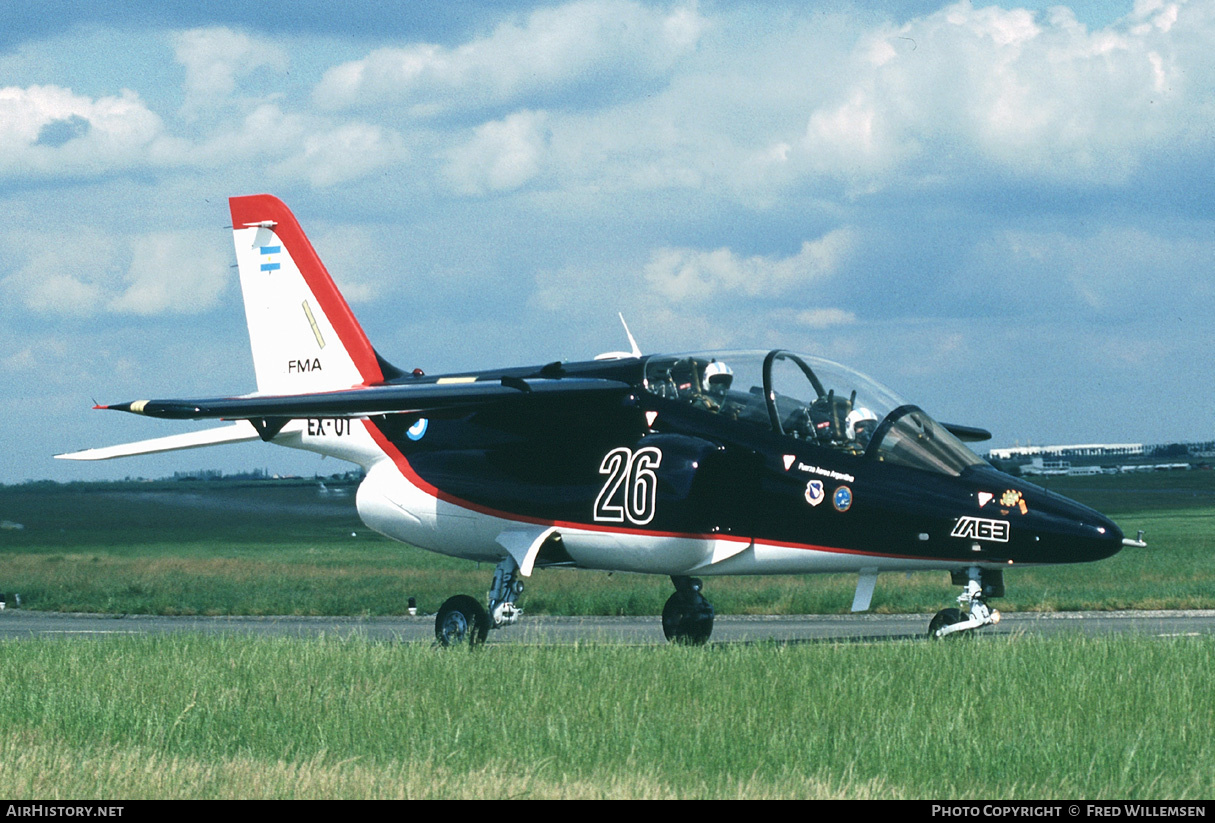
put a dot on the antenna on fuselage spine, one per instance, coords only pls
(634, 350)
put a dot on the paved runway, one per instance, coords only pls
(18, 623)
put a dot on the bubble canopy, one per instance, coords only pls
(810, 399)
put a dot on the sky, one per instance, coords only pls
(1005, 213)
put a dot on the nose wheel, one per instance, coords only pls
(687, 616)
(943, 618)
(974, 612)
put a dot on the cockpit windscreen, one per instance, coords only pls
(810, 399)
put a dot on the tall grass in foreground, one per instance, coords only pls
(192, 716)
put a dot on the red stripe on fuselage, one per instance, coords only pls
(252, 209)
(404, 467)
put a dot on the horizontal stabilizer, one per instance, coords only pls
(396, 398)
(236, 433)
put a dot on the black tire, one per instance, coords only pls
(687, 618)
(943, 618)
(461, 619)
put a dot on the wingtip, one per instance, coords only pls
(135, 407)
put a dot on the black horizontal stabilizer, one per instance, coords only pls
(409, 398)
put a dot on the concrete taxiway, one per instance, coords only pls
(19, 623)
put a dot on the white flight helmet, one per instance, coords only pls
(718, 376)
(861, 415)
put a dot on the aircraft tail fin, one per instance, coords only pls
(303, 334)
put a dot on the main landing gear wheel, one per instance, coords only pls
(461, 619)
(943, 618)
(687, 617)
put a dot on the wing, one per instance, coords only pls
(264, 416)
(410, 398)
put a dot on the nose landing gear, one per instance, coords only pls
(975, 613)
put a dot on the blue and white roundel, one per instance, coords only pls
(842, 499)
(418, 429)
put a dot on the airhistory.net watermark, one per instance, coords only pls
(57, 810)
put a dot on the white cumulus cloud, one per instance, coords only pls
(589, 46)
(89, 273)
(1034, 96)
(214, 58)
(502, 155)
(48, 131)
(694, 276)
(173, 272)
(342, 153)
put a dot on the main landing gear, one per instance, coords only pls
(462, 620)
(980, 584)
(687, 617)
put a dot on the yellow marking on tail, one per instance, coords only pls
(316, 330)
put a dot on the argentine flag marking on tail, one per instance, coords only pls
(269, 253)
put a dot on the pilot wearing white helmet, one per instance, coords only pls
(859, 426)
(715, 382)
(718, 377)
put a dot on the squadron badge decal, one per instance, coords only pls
(842, 499)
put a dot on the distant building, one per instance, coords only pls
(1095, 458)
(1088, 450)
(1039, 466)
(199, 474)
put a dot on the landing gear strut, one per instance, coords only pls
(461, 619)
(687, 617)
(503, 593)
(980, 584)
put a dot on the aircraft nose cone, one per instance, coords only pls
(1065, 531)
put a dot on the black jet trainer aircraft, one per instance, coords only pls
(687, 465)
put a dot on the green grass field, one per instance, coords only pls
(208, 548)
(207, 717)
